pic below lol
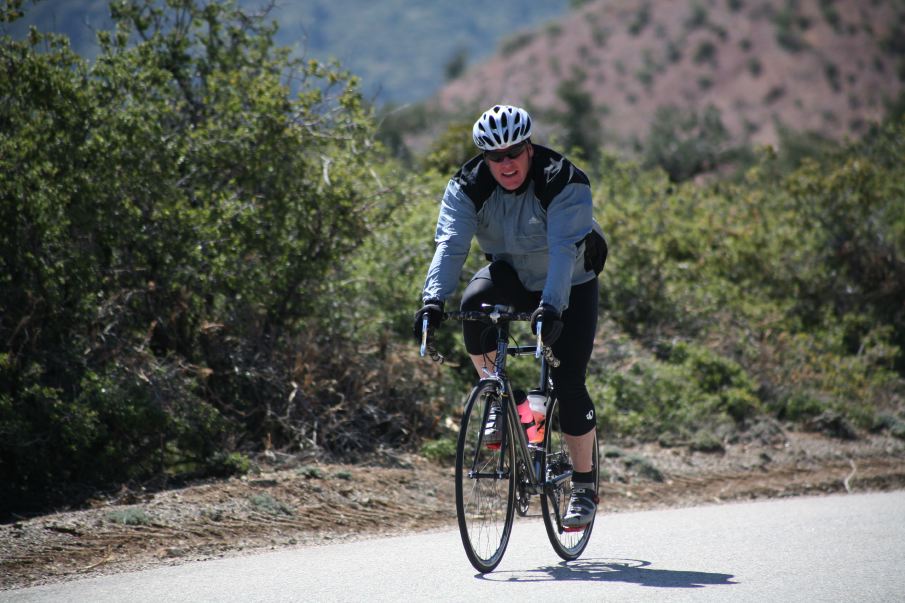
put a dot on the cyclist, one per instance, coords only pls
(531, 211)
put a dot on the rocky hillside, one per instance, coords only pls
(402, 50)
(826, 66)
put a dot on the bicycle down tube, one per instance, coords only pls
(501, 316)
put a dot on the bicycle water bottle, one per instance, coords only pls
(526, 417)
(537, 402)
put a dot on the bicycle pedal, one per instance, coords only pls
(493, 446)
(576, 529)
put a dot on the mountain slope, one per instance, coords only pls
(819, 65)
(400, 48)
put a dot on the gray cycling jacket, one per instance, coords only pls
(539, 229)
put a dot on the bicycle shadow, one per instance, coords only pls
(632, 571)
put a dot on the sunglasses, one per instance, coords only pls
(511, 153)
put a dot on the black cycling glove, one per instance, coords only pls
(433, 308)
(551, 323)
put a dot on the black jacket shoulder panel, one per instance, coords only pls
(476, 181)
(551, 173)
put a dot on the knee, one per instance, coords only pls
(578, 418)
(576, 411)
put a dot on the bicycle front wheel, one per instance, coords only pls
(558, 488)
(485, 482)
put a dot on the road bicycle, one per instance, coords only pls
(494, 481)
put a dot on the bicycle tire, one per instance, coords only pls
(485, 503)
(555, 500)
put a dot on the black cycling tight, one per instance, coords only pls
(498, 283)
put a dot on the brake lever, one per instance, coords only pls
(424, 326)
(540, 342)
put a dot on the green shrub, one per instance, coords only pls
(800, 407)
(265, 503)
(698, 17)
(309, 472)
(441, 450)
(832, 76)
(685, 143)
(229, 463)
(130, 517)
(579, 123)
(780, 272)
(789, 29)
(831, 14)
(640, 20)
(450, 149)
(644, 467)
(898, 430)
(754, 66)
(516, 42)
(694, 389)
(170, 219)
(705, 53)
(706, 441)
(612, 452)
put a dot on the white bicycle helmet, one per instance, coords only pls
(500, 127)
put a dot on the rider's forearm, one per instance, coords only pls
(443, 274)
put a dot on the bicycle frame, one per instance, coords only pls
(484, 512)
(498, 377)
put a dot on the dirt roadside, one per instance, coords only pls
(289, 503)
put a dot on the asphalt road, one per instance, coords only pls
(835, 548)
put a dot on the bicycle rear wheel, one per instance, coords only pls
(485, 483)
(558, 488)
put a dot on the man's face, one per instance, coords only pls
(510, 166)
